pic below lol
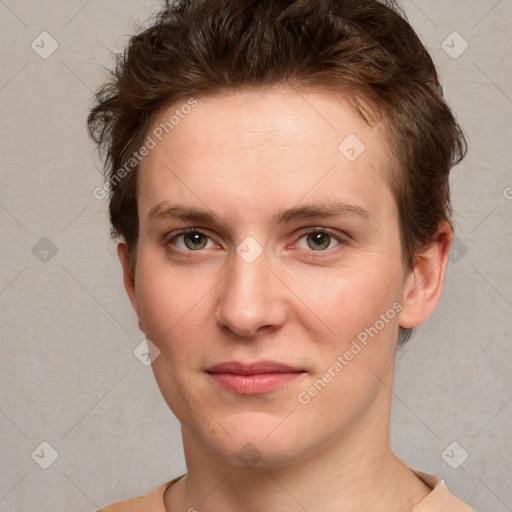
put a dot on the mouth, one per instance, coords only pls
(253, 378)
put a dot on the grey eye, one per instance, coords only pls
(195, 240)
(319, 240)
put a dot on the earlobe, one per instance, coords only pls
(128, 279)
(424, 283)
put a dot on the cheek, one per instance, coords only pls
(157, 304)
(173, 308)
(348, 300)
(339, 301)
(361, 309)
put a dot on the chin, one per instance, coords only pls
(259, 441)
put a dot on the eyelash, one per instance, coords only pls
(301, 234)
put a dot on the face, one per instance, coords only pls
(268, 232)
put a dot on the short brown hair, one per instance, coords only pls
(364, 48)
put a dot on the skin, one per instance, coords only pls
(244, 156)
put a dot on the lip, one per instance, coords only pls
(263, 366)
(253, 378)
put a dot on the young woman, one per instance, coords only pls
(278, 177)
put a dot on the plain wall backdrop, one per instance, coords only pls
(69, 376)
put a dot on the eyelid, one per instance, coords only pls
(341, 239)
(168, 238)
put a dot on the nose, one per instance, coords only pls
(252, 298)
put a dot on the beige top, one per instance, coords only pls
(439, 499)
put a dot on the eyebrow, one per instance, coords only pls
(297, 213)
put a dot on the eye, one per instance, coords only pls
(191, 239)
(319, 240)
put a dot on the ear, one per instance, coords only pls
(128, 278)
(424, 282)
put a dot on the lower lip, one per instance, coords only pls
(254, 384)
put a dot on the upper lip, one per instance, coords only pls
(264, 366)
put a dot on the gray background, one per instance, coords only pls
(69, 376)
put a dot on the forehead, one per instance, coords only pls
(264, 149)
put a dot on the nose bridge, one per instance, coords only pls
(250, 298)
